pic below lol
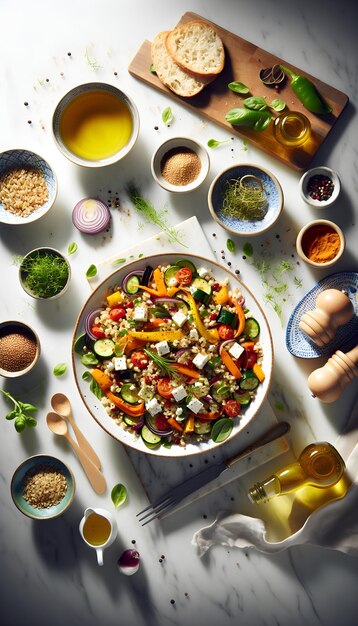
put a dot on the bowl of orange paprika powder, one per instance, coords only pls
(320, 243)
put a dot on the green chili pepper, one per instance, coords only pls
(307, 93)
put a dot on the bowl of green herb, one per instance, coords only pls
(44, 273)
(245, 199)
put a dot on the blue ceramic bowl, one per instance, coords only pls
(14, 159)
(271, 187)
(17, 485)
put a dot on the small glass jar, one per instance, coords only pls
(292, 129)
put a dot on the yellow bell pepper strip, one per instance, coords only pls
(174, 424)
(156, 335)
(189, 425)
(114, 299)
(104, 381)
(209, 416)
(221, 296)
(134, 410)
(128, 343)
(242, 319)
(186, 371)
(212, 336)
(230, 364)
(258, 371)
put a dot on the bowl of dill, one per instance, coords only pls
(44, 273)
(245, 199)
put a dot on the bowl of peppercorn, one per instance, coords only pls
(320, 187)
(180, 164)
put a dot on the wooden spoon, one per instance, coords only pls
(61, 405)
(58, 425)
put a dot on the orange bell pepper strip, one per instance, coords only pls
(134, 410)
(248, 345)
(174, 424)
(128, 343)
(158, 321)
(189, 425)
(241, 316)
(209, 416)
(186, 371)
(161, 288)
(258, 371)
(230, 364)
(104, 381)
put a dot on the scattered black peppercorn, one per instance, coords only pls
(223, 257)
(29, 122)
(172, 601)
(214, 234)
(204, 516)
(244, 257)
(237, 271)
(133, 541)
(186, 594)
(47, 80)
(160, 560)
(162, 557)
(115, 73)
(229, 263)
(26, 104)
(68, 54)
(156, 127)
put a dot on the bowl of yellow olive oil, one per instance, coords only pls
(95, 124)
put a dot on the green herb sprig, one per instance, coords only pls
(166, 365)
(44, 274)
(214, 143)
(21, 413)
(146, 209)
(92, 62)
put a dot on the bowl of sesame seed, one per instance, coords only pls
(28, 187)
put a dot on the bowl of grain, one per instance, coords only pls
(42, 487)
(180, 164)
(28, 187)
(19, 349)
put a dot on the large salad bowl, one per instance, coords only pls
(128, 436)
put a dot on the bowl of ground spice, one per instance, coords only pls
(28, 187)
(320, 187)
(180, 164)
(320, 243)
(19, 349)
(42, 487)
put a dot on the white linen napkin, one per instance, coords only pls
(333, 526)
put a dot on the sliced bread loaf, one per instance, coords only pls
(196, 47)
(179, 81)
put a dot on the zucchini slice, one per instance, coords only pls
(170, 275)
(201, 296)
(128, 394)
(104, 348)
(251, 328)
(132, 284)
(186, 263)
(149, 438)
(226, 317)
(200, 283)
(249, 381)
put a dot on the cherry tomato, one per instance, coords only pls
(184, 276)
(98, 332)
(164, 387)
(216, 287)
(232, 408)
(117, 314)
(161, 422)
(226, 332)
(139, 359)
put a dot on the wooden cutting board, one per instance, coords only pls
(243, 63)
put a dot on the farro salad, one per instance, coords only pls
(173, 354)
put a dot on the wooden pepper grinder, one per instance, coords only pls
(328, 382)
(333, 309)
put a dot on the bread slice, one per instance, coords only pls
(196, 47)
(179, 81)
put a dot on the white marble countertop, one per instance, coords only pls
(48, 574)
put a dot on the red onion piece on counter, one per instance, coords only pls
(91, 216)
(89, 321)
(128, 562)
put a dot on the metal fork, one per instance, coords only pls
(172, 498)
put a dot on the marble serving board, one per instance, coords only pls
(158, 474)
(243, 63)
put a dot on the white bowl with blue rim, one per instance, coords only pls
(18, 482)
(270, 186)
(25, 159)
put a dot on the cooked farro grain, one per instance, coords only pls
(22, 191)
(44, 486)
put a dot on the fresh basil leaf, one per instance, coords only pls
(222, 429)
(60, 369)
(231, 246)
(118, 494)
(257, 103)
(277, 105)
(96, 389)
(72, 248)
(79, 343)
(119, 261)
(257, 120)
(89, 359)
(92, 271)
(122, 332)
(248, 249)
(167, 115)
(87, 375)
(238, 87)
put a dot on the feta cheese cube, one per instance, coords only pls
(179, 393)
(193, 334)
(153, 407)
(179, 411)
(212, 348)
(198, 384)
(195, 405)
(120, 363)
(179, 318)
(140, 314)
(236, 350)
(202, 271)
(162, 347)
(200, 360)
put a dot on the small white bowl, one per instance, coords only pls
(173, 144)
(300, 248)
(13, 326)
(320, 171)
(43, 251)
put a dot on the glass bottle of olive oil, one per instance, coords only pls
(318, 477)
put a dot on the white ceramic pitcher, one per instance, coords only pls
(98, 532)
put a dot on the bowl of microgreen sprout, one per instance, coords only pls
(245, 199)
(44, 273)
